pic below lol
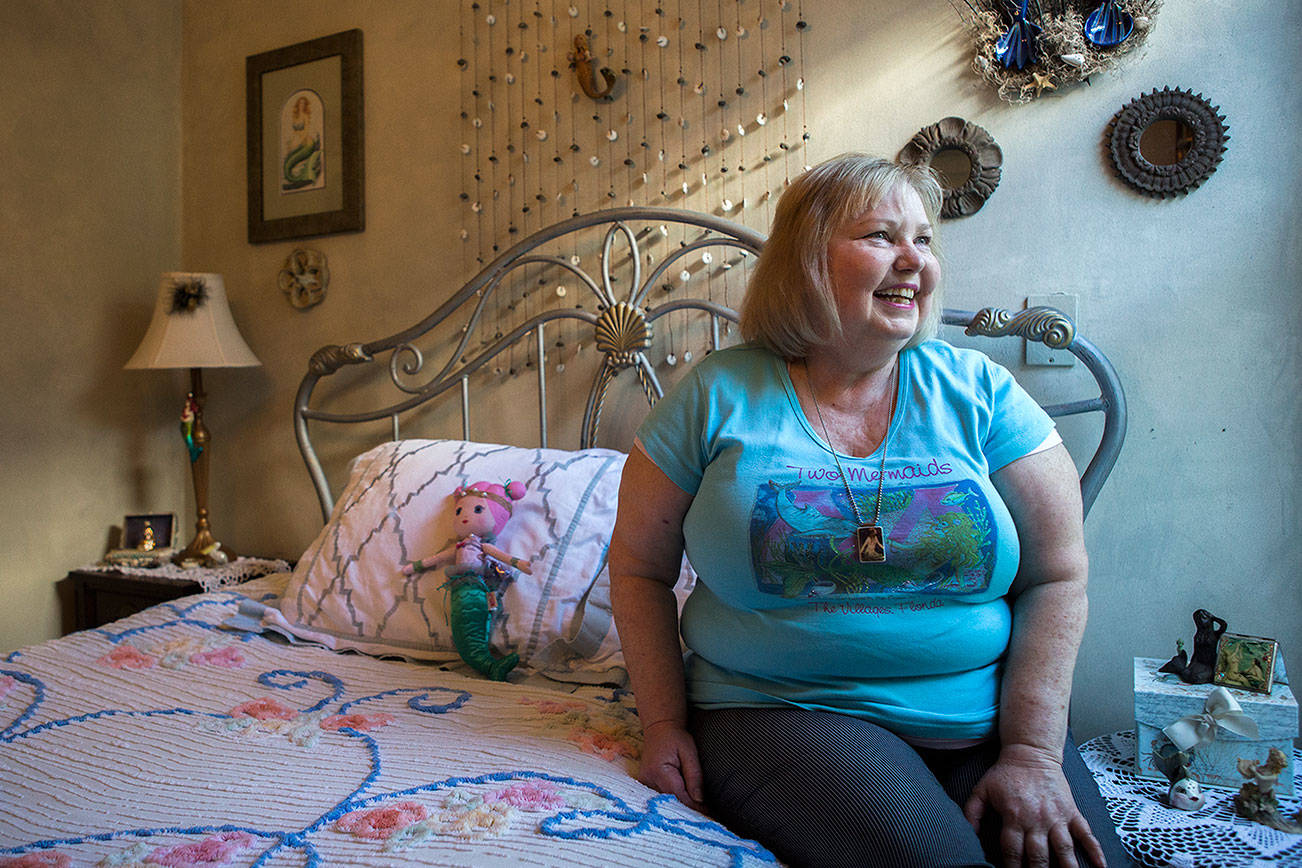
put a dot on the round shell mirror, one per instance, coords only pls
(964, 157)
(1166, 143)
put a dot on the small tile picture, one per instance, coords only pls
(1245, 662)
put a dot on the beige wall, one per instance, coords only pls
(90, 214)
(406, 261)
(1203, 509)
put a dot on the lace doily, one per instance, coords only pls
(1158, 836)
(209, 578)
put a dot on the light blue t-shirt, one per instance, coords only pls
(784, 613)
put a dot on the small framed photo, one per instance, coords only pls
(305, 139)
(147, 533)
(1245, 662)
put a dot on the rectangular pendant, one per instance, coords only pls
(870, 543)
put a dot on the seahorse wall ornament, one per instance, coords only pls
(581, 60)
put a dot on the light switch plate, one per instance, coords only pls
(1036, 352)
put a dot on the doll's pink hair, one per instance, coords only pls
(499, 499)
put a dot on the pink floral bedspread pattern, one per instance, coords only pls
(168, 740)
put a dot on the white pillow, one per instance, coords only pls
(348, 590)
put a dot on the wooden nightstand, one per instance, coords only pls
(99, 597)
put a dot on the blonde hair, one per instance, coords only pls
(789, 305)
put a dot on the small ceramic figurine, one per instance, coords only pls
(1256, 799)
(1202, 667)
(1186, 794)
(214, 556)
(471, 563)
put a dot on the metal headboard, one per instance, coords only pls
(622, 327)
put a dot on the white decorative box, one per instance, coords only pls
(1162, 698)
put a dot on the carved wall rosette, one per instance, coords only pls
(304, 277)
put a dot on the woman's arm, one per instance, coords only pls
(646, 554)
(1026, 786)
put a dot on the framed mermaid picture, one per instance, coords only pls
(302, 157)
(305, 139)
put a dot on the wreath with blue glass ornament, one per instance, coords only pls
(1028, 48)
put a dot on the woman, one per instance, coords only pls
(892, 568)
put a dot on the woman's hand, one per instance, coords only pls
(670, 763)
(1028, 791)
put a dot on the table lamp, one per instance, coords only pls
(193, 328)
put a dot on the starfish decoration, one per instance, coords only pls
(1040, 81)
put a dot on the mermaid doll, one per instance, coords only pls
(470, 562)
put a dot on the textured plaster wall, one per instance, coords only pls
(1195, 299)
(90, 214)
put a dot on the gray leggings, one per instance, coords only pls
(824, 789)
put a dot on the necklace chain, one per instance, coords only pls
(881, 469)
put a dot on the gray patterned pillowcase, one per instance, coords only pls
(349, 592)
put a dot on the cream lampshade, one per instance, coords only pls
(193, 328)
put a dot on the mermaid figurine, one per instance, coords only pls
(470, 563)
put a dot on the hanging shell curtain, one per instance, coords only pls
(700, 106)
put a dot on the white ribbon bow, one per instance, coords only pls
(1220, 709)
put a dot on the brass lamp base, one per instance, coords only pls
(204, 548)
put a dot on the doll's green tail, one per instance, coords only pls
(472, 622)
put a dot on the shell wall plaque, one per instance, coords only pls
(304, 277)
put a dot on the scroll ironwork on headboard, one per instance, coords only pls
(622, 325)
(1055, 329)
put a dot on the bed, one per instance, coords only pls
(323, 717)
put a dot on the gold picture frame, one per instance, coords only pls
(1245, 662)
(305, 139)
